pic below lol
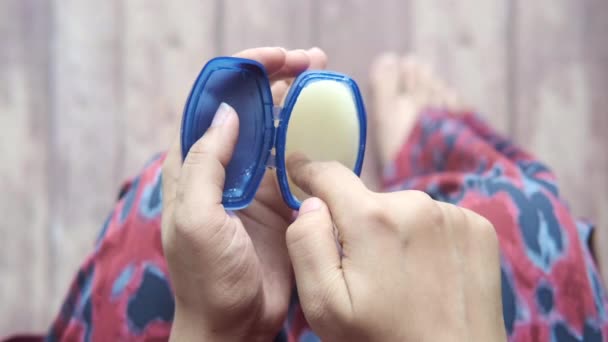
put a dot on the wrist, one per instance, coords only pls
(188, 326)
(192, 326)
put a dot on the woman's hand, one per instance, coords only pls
(410, 269)
(230, 273)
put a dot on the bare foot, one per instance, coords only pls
(402, 87)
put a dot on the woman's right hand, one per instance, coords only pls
(410, 268)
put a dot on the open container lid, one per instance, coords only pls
(244, 85)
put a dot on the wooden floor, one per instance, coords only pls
(90, 89)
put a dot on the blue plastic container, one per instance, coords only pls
(244, 85)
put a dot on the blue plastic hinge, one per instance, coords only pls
(276, 113)
(271, 162)
(276, 117)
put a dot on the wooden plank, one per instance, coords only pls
(561, 108)
(86, 130)
(468, 44)
(165, 45)
(552, 99)
(553, 92)
(595, 52)
(247, 24)
(353, 33)
(24, 98)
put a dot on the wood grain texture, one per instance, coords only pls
(24, 122)
(90, 90)
(553, 92)
(353, 33)
(85, 131)
(560, 99)
(247, 24)
(165, 45)
(467, 42)
(595, 53)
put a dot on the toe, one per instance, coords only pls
(454, 103)
(384, 79)
(409, 73)
(279, 90)
(415, 74)
(425, 88)
(418, 80)
(397, 129)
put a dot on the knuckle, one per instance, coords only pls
(482, 227)
(322, 169)
(457, 215)
(296, 233)
(480, 232)
(483, 222)
(379, 215)
(308, 230)
(420, 198)
(198, 154)
(188, 220)
(414, 213)
(435, 214)
(426, 208)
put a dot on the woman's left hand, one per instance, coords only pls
(231, 275)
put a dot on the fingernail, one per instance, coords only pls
(222, 113)
(309, 205)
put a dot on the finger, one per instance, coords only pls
(335, 184)
(318, 58)
(279, 90)
(273, 58)
(202, 176)
(316, 263)
(296, 62)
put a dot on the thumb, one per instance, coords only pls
(203, 172)
(317, 264)
(197, 212)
